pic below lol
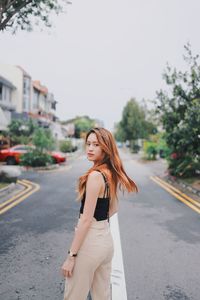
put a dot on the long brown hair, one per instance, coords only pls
(110, 165)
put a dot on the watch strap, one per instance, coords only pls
(72, 254)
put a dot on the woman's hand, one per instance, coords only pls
(68, 266)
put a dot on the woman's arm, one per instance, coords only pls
(93, 186)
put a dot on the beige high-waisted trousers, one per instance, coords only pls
(92, 269)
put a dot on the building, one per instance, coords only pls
(6, 102)
(21, 97)
(28, 98)
(43, 105)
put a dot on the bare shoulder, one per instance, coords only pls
(94, 175)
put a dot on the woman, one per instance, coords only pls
(88, 265)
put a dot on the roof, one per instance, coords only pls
(7, 83)
(41, 88)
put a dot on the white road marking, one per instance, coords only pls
(117, 275)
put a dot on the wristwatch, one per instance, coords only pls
(72, 254)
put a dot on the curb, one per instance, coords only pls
(172, 180)
(12, 185)
(8, 189)
(50, 167)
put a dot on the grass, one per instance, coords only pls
(193, 181)
(3, 184)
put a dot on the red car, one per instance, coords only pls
(12, 155)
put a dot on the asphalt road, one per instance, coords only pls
(160, 238)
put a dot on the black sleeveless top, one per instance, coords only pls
(102, 207)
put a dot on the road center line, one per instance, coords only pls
(118, 283)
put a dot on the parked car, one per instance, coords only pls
(12, 155)
(58, 157)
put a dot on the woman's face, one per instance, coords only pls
(93, 149)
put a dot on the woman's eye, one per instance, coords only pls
(94, 144)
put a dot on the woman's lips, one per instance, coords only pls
(90, 154)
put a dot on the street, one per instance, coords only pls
(160, 238)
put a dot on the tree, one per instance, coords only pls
(83, 125)
(20, 131)
(43, 139)
(119, 133)
(179, 110)
(19, 13)
(133, 124)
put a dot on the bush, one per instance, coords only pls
(43, 139)
(150, 148)
(36, 158)
(66, 146)
(186, 166)
(162, 147)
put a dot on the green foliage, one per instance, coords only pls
(20, 131)
(162, 147)
(20, 139)
(134, 123)
(83, 125)
(36, 158)
(155, 144)
(150, 149)
(183, 166)
(179, 110)
(20, 13)
(66, 146)
(119, 133)
(43, 139)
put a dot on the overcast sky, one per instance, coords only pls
(101, 53)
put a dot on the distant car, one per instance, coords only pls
(12, 155)
(58, 157)
(119, 144)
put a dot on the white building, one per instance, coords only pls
(43, 102)
(6, 103)
(25, 98)
(21, 97)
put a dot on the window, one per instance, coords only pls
(26, 93)
(1, 91)
(22, 148)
